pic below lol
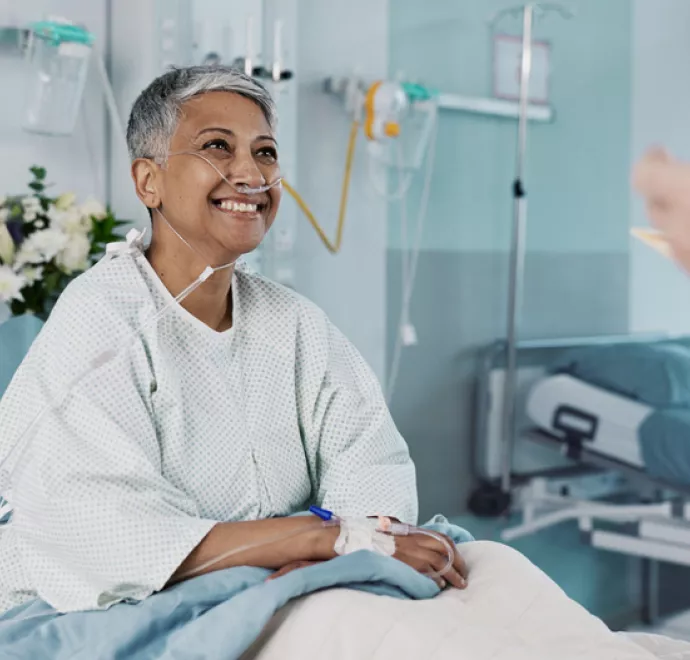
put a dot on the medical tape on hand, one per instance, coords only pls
(363, 534)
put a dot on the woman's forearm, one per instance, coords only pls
(310, 542)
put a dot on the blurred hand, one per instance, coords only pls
(664, 182)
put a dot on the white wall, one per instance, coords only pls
(74, 163)
(659, 291)
(336, 39)
(147, 36)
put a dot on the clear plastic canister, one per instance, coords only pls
(57, 62)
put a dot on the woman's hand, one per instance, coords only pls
(427, 555)
(423, 553)
(665, 184)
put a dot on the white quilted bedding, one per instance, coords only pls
(510, 611)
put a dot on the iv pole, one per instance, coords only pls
(517, 256)
(517, 252)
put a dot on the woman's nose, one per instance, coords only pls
(245, 171)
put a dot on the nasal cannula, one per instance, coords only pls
(241, 188)
(133, 242)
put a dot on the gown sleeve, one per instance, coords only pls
(360, 463)
(95, 520)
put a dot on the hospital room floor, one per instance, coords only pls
(607, 584)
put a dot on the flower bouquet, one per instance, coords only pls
(45, 242)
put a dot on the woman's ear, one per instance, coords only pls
(146, 176)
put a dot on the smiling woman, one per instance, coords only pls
(237, 408)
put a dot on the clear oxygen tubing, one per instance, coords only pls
(409, 266)
(20, 446)
(386, 526)
(241, 188)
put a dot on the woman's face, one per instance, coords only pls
(232, 132)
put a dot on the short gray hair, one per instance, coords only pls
(156, 111)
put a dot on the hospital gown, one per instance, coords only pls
(187, 427)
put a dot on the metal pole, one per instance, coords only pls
(517, 257)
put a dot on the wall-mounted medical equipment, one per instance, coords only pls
(398, 122)
(57, 60)
(58, 55)
(381, 109)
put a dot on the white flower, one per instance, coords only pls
(11, 285)
(65, 201)
(40, 224)
(31, 202)
(41, 246)
(70, 221)
(75, 255)
(32, 274)
(6, 245)
(30, 215)
(3, 200)
(27, 255)
(4, 214)
(92, 208)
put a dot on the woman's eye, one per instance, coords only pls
(268, 152)
(218, 143)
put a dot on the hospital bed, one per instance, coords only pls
(603, 439)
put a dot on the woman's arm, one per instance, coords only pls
(360, 464)
(280, 541)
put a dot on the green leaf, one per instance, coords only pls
(51, 281)
(17, 308)
(38, 172)
(35, 185)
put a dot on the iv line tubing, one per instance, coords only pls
(410, 529)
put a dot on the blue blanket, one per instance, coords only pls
(217, 615)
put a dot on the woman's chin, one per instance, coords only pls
(242, 242)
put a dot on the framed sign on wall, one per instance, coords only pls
(507, 61)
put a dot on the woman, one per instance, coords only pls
(232, 411)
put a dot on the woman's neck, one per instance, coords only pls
(177, 267)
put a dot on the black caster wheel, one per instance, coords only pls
(489, 501)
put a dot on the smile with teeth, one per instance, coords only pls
(236, 207)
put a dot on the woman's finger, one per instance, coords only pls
(458, 562)
(435, 545)
(431, 563)
(288, 568)
(440, 566)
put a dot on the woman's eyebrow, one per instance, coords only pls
(227, 131)
(215, 129)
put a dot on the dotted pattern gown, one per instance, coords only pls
(185, 428)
